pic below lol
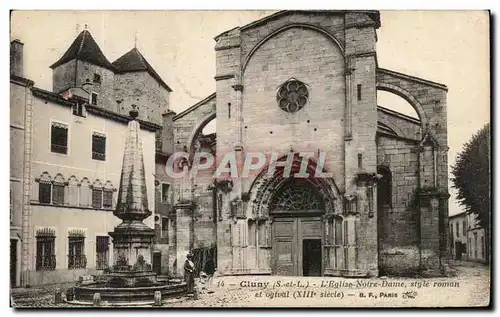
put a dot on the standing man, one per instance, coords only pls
(189, 273)
(209, 269)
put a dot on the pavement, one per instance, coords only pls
(470, 287)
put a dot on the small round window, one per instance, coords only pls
(292, 95)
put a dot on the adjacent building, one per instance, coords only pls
(64, 176)
(20, 155)
(459, 232)
(477, 247)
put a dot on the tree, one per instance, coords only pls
(473, 181)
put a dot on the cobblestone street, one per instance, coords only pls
(472, 282)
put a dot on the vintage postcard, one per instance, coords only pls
(323, 158)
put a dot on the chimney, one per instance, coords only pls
(16, 58)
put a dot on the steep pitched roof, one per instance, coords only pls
(84, 48)
(133, 61)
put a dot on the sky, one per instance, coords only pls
(449, 47)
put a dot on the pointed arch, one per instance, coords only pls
(44, 188)
(73, 191)
(296, 195)
(44, 178)
(59, 179)
(197, 130)
(264, 187)
(289, 26)
(85, 193)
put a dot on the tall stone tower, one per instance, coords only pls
(136, 82)
(84, 65)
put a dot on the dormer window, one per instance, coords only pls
(97, 78)
(78, 109)
(93, 98)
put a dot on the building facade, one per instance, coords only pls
(459, 232)
(20, 152)
(64, 177)
(476, 250)
(306, 82)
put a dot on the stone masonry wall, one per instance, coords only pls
(404, 127)
(398, 226)
(429, 100)
(141, 89)
(63, 76)
(361, 126)
(312, 58)
(104, 89)
(251, 36)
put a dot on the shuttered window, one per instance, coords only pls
(44, 193)
(59, 138)
(107, 199)
(58, 194)
(99, 147)
(102, 252)
(97, 198)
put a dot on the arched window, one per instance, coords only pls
(384, 187)
(58, 190)
(44, 188)
(297, 195)
(85, 194)
(97, 191)
(73, 191)
(107, 195)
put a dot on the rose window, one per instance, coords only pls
(292, 95)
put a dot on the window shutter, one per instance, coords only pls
(58, 194)
(98, 146)
(108, 199)
(59, 138)
(44, 193)
(97, 198)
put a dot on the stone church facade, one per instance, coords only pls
(307, 82)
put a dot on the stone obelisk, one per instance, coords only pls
(132, 239)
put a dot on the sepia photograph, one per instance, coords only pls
(294, 158)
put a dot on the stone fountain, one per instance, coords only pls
(131, 279)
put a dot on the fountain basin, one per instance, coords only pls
(85, 293)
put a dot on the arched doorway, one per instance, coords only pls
(297, 229)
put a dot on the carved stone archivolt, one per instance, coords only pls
(264, 189)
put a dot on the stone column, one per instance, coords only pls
(183, 217)
(184, 220)
(429, 233)
(366, 229)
